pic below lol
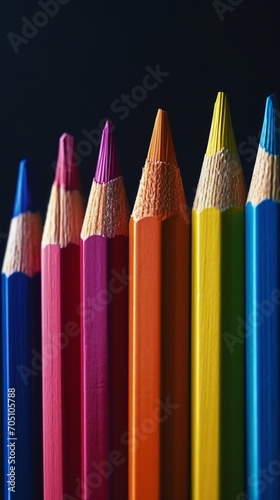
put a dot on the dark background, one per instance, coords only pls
(67, 76)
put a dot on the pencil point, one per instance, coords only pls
(25, 198)
(270, 136)
(108, 167)
(161, 145)
(221, 133)
(67, 171)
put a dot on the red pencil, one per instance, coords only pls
(61, 329)
(104, 280)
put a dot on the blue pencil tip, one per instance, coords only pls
(270, 136)
(25, 199)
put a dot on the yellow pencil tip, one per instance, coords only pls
(161, 145)
(221, 134)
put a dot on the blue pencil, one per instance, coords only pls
(21, 347)
(263, 314)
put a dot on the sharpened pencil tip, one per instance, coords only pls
(221, 134)
(67, 171)
(108, 167)
(161, 145)
(270, 136)
(25, 199)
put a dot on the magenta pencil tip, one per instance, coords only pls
(67, 171)
(108, 167)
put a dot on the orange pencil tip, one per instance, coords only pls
(161, 146)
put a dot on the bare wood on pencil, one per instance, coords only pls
(64, 217)
(23, 246)
(107, 210)
(221, 183)
(265, 179)
(161, 193)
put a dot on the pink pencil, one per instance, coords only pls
(61, 330)
(104, 279)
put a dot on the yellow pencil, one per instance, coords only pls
(217, 303)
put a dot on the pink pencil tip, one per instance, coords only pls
(67, 171)
(108, 167)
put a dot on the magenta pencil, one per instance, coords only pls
(104, 289)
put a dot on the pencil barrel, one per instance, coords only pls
(217, 357)
(22, 403)
(263, 349)
(105, 284)
(158, 359)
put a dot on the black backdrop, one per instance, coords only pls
(69, 75)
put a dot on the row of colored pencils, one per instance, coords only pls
(121, 391)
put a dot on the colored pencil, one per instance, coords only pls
(263, 313)
(22, 395)
(159, 326)
(61, 329)
(217, 402)
(104, 281)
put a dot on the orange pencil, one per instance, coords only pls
(159, 327)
